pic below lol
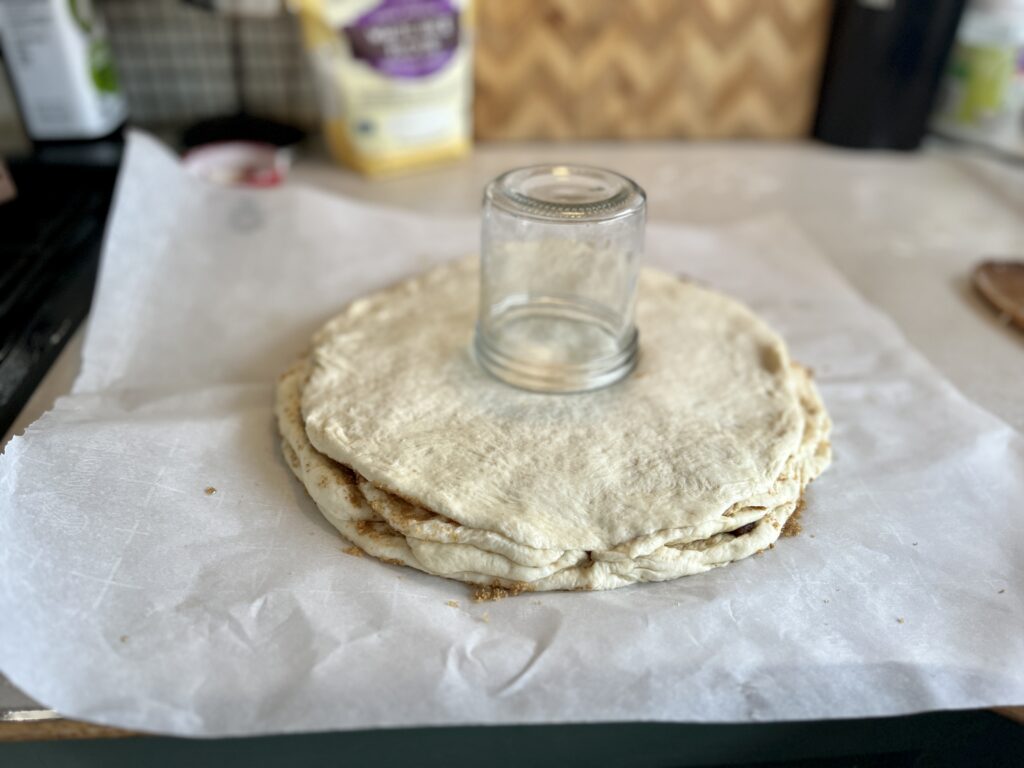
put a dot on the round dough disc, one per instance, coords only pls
(708, 420)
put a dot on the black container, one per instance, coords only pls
(885, 60)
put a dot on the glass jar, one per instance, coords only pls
(560, 256)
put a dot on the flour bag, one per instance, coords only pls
(394, 78)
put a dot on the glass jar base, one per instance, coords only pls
(550, 345)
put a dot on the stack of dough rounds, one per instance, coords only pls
(418, 457)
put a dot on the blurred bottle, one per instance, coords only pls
(884, 63)
(983, 94)
(62, 70)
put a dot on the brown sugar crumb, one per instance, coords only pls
(209, 490)
(354, 551)
(793, 525)
(342, 474)
(410, 513)
(375, 529)
(355, 498)
(452, 603)
(418, 509)
(498, 592)
(899, 620)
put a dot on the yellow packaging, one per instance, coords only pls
(394, 78)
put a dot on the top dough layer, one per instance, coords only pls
(708, 418)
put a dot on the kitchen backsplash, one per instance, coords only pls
(175, 66)
(544, 68)
(175, 63)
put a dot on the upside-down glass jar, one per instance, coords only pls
(560, 257)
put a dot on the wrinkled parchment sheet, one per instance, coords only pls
(131, 596)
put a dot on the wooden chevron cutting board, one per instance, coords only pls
(572, 69)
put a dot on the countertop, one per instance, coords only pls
(905, 230)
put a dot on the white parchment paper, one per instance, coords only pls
(129, 596)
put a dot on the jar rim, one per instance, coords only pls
(566, 192)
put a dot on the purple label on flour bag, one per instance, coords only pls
(406, 38)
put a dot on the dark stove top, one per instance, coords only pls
(50, 241)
